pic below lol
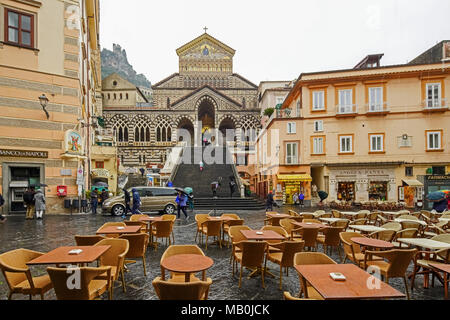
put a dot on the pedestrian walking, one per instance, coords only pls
(301, 198)
(94, 201)
(181, 200)
(295, 198)
(103, 196)
(39, 202)
(127, 202)
(136, 202)
(269, 202)
(28, 199)
(202, 165)
(2, 202)
(170, 184)
(232, 187)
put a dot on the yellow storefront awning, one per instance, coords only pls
(413, 183)
(294, 177)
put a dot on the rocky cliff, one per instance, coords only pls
(117, 61)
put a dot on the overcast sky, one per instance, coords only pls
(274, 39)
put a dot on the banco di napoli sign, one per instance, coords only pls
(23, 153)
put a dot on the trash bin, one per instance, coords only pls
(75, 203)
(67, 203)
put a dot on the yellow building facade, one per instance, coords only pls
(48, 76)
(370, 133)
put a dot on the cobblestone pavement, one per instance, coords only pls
(55, 231)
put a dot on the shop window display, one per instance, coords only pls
(346, 191)
(378, 191)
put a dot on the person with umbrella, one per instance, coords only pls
(136, 202)
(270, 201)
(439, 199)
(127, 202)
(39, 202)
(322, 195)
(94, 200)
(190, 194)
(28, 199)
(181, 200)
(232, 186)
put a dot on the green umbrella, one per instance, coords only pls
(189, 190)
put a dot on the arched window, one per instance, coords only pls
(126, 96)
(147, 134)
(115, 96)
(141, 129)
(120, 96)
(119, 125)
(109, 96)
(163, 130)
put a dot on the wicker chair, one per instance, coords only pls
(281, 231)
(137, 247)
(200, 218)
(289, 297)
(310, 258)
(352, 251)
(423, 259)
(180, 249)
(336, 214)
(173, 218)
(385, 235)
(308, 235)
(114, 257)
(396, 265)
(330, 238)
(236, 236)
(285, 256)
(212, 228)
(161, 229)
(89, 289)
(359, 222)
(168, 290)
(307, 216)
(86, 241)
(373, 217)
(343, 224)
(251, 255)
(287, 225)
(228, 224)
(18, 275)
(404, 233)
(231, 215)
(392, 226)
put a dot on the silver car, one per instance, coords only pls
(159, 199)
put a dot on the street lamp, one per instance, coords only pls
(44, 101)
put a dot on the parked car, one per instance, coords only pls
(160, 199)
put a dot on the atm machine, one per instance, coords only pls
(16, 191)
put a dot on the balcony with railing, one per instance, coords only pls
(348, 110)
(435, 105)
(377, 109)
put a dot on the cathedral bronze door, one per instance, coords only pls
(206, 114)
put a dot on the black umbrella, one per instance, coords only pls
(181, 190)
(322, 195)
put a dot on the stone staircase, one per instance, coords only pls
(188, 174)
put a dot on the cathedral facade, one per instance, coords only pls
(204, 96)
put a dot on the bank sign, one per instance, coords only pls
(23, 154)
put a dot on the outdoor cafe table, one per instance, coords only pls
(352, 215)
(332, 220)
(392, 213)
(446, 269)
(366, 228)
(372, 243)
(278, 215)
(423, 223)
(358, 283)
(61, 256)
(310, 225)
(444, 219)
(119, 230)
(146, 218)
(187, 264)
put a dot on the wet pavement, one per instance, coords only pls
(56, 231)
